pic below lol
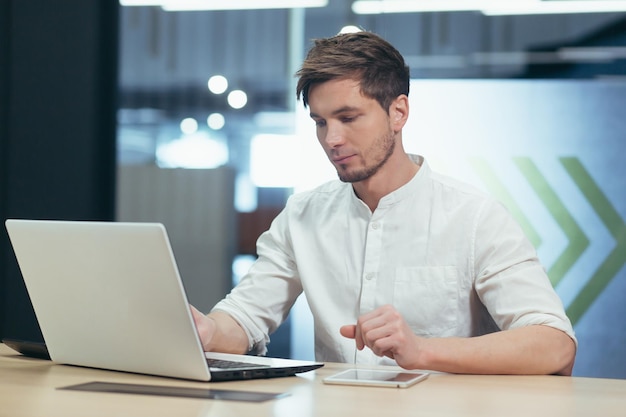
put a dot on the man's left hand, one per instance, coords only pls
(386, 333)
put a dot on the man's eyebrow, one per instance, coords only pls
(340, 110)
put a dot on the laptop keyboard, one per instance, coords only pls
(222, 364)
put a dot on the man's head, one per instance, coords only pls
(363, 56)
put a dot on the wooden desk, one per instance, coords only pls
(28, 388)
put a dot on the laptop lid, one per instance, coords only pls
(108, 295)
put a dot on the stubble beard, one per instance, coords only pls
(385, 147)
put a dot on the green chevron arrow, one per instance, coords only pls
(613, 222)
(498, 190)
(578, 241)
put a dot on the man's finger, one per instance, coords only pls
(349, 331)
(358, 337)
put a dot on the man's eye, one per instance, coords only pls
(347, 119)
(320, 123)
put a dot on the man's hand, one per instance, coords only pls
(206, 327)
(386, 333)
(219, 332)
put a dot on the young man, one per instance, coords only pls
(399, 265)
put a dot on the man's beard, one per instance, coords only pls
(383, 148)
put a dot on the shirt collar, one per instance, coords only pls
(408, 189)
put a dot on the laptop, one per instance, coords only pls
(109, 295)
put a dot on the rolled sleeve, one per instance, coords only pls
(265, 295)
(511, 282)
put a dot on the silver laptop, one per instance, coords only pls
(108, 295)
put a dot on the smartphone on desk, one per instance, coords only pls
(377, 378)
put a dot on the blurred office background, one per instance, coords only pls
(142, 111)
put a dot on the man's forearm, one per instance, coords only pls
(527, 350)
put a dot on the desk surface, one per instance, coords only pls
(28, 388)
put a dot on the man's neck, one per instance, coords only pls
(396, 172)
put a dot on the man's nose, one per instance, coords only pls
(334, 136)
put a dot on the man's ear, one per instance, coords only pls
(399, 112)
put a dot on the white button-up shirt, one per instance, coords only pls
(449, 258)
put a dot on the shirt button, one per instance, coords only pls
(369, 276)
(375, 226)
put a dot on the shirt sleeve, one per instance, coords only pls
(263, 298)
(510, 280)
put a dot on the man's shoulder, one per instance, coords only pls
(453, 194)
(454, 184)
(443, 183)
(456, 194)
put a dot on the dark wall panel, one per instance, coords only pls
(4, 54)
(57, 149)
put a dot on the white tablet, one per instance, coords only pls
(377, 377)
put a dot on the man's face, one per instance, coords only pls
(354, 130)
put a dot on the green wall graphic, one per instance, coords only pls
(578, 241)
(553, 153)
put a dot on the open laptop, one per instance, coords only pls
(108, 295)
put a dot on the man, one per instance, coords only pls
(399, 265)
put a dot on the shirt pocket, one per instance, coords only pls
(427, 298)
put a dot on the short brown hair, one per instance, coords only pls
(363, 56)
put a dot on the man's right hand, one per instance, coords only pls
(206, 327)
(219, 332)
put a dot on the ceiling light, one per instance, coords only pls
(189, 126)
(182, 5)
(237, 99)
(140, 3)
(556, 7)
(216, 121)
(489, 7)
(350, 29)
(413, 6)
(217, 84)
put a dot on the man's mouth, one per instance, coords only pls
(341, 159)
